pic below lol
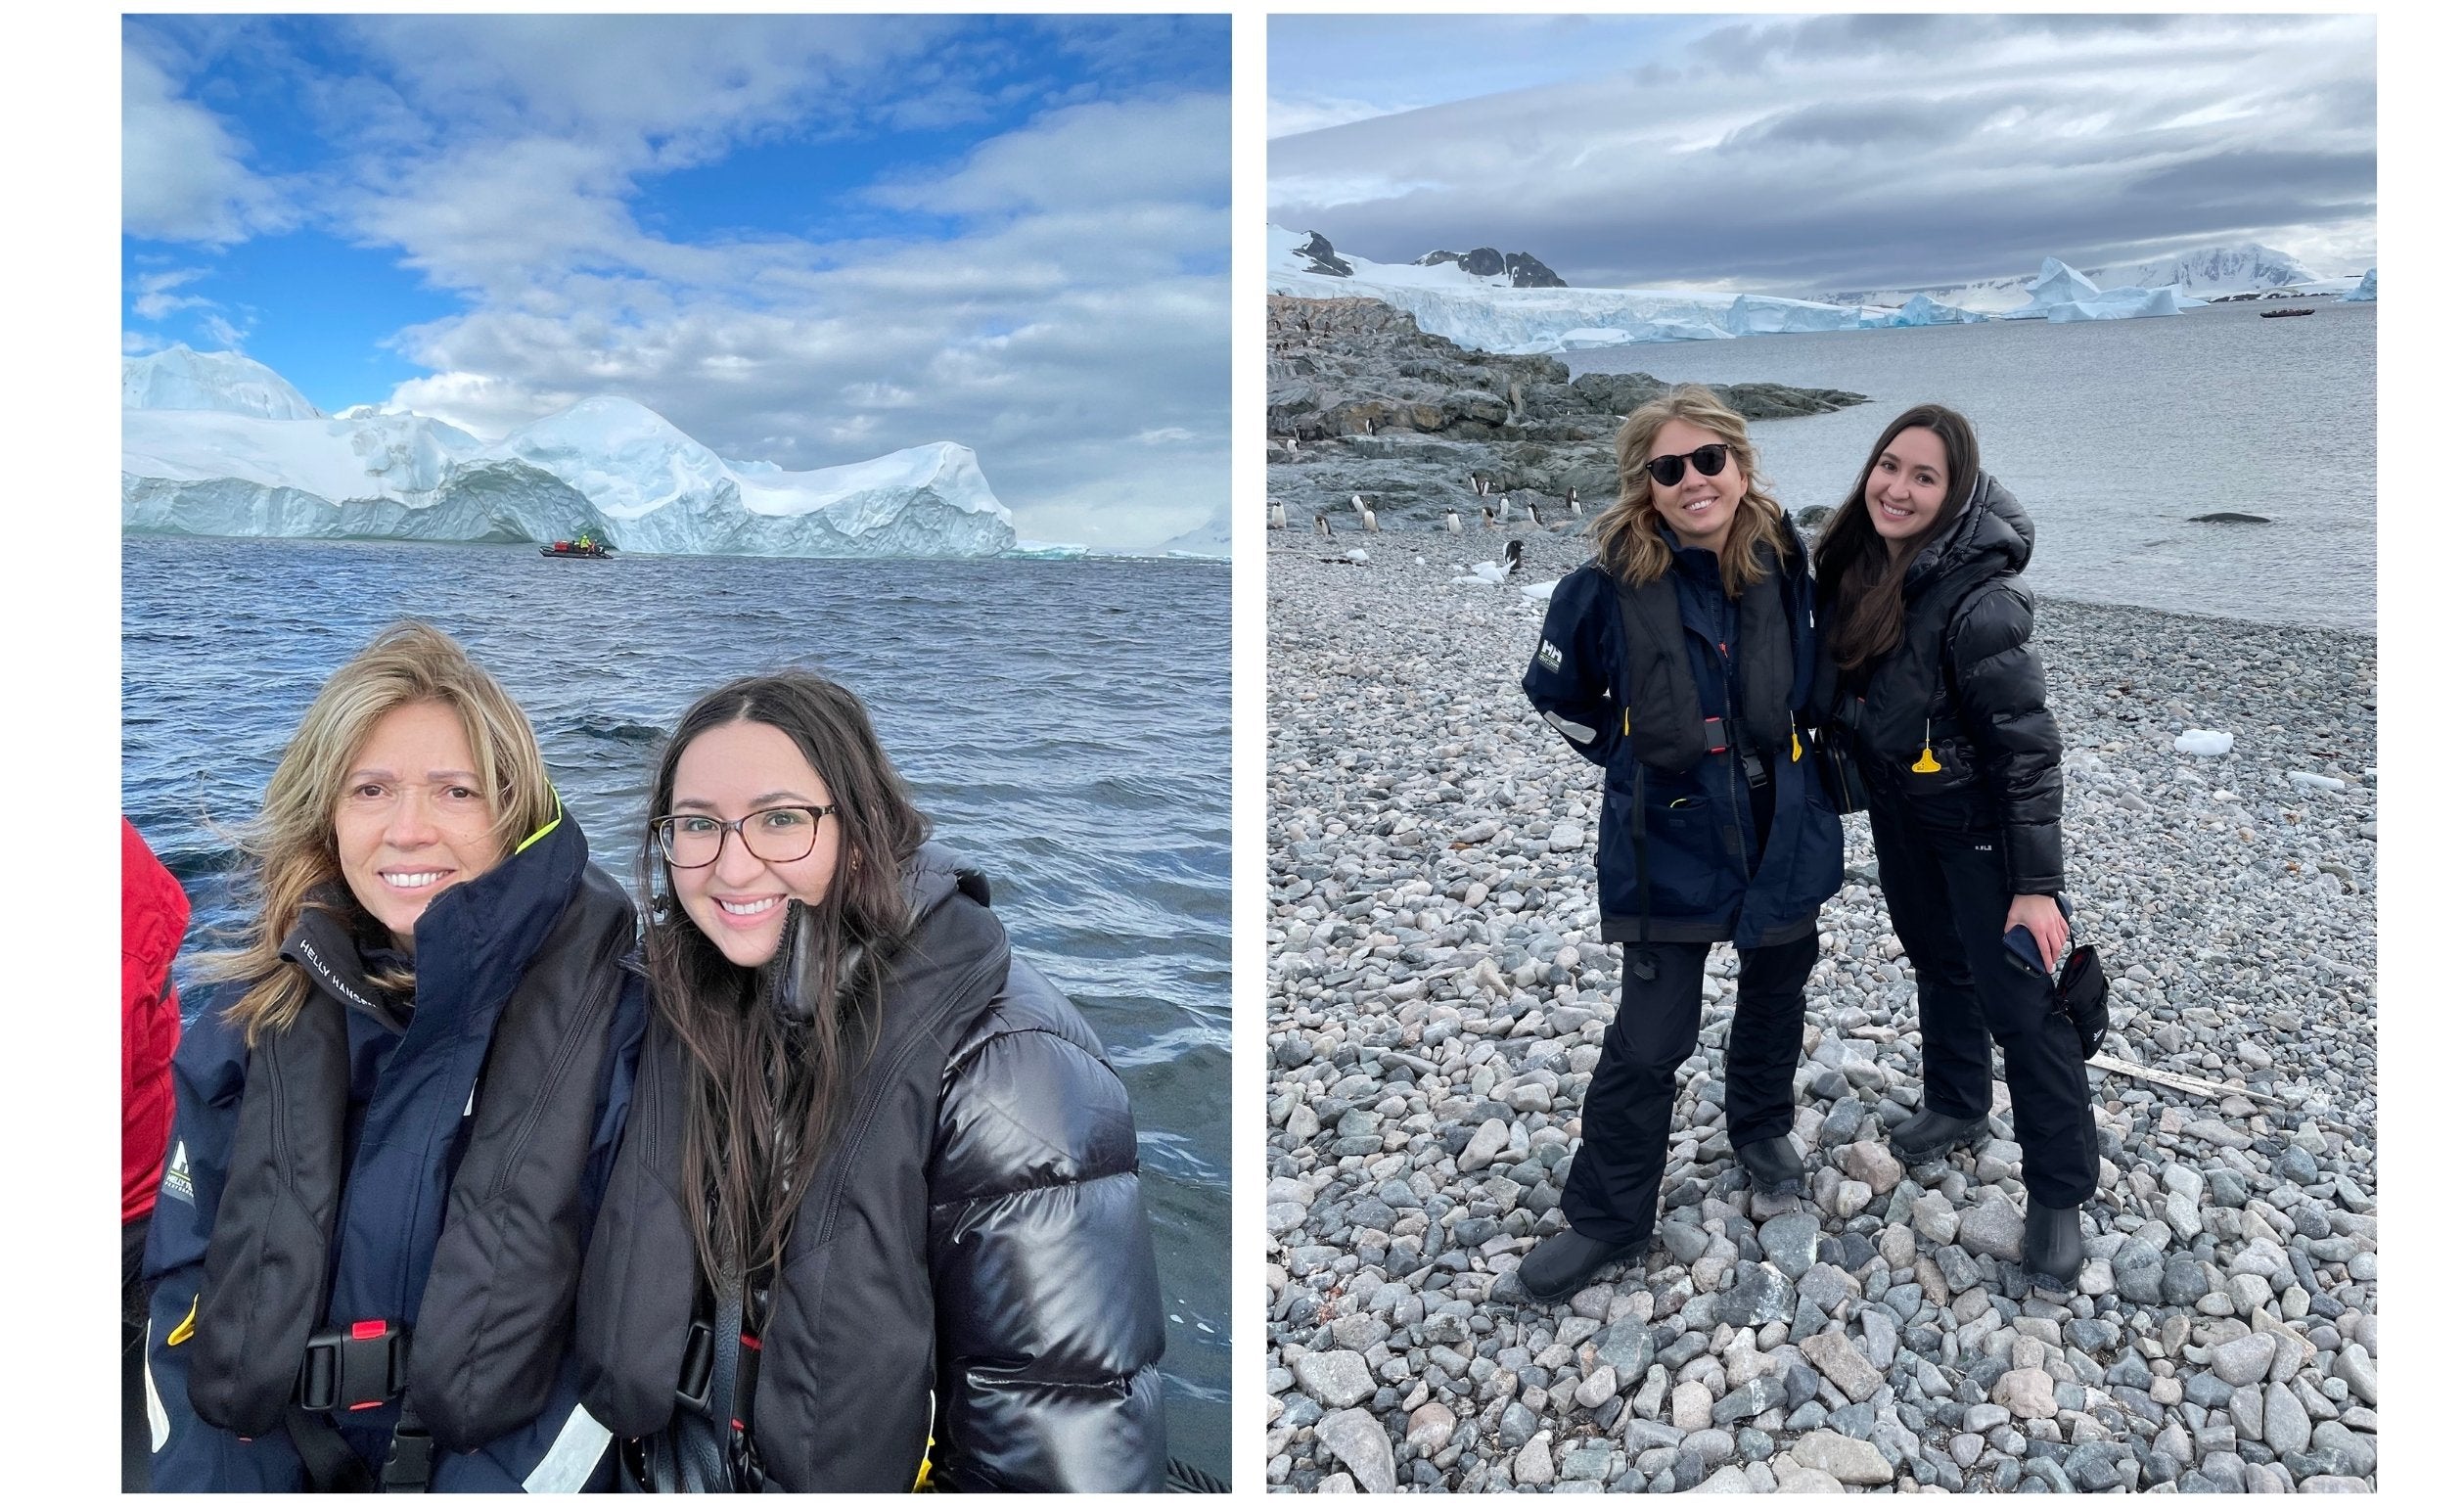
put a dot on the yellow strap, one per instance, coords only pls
(187, 1326)
(553, 822)
(925, 1470)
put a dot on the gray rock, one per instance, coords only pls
(1788, 1243)
(1336, 1379)
(1995, 1227)
(1839, 1359)
(1355, 1438)
(1761, 1295)
(2240, 1362)
(1851, 1461)
(2287, 1426)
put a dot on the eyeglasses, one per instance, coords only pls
(779, 834)
(1669, 470)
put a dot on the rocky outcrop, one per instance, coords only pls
(1523, 269)
(1360, 400)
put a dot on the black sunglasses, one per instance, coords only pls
(1669, 470)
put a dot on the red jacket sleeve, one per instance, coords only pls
(153, 918)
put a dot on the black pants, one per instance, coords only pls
(1612, 1192)
(1948, 901)
(135, 1436)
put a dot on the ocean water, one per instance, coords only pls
(2114, 435)
(1067, 724)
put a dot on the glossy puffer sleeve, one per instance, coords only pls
(1046, 1303)
(1571, 679)
(2000, 685)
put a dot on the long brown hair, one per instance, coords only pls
(1628, 532)
(288, 845)
(750, 1075)
(1856, 588)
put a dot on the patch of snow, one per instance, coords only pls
(2203, 743)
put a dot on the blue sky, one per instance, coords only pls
(1789, 153)
(806, 240)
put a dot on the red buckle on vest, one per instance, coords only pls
(358, 1366)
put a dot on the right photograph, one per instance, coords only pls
(1822, 792)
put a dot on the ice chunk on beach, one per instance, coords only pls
(1488, 572)
(1540, 591)
(2367, 290)
(2308, 781)
(1360, 554)
(2203, 743)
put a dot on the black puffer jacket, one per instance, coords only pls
(1964, 682)
(972, 1263)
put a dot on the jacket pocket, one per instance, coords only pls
(1683, 847)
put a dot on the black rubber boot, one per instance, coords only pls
(2054, 1250)
(1563, 1264)
(1773, 1165)
(1925, 1135)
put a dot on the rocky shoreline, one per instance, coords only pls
(1436, 997)
(1360, 403)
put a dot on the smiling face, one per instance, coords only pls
(413, 820)
(1910, 481)
(740, 901)
(1699, 509)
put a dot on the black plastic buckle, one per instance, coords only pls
(1716, 735)
(408, 1461)
(360, 1366)
(692, 1383)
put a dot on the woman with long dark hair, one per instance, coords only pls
(1928, 673)
(877, 1222)
(395, 1121)
(1677, 659)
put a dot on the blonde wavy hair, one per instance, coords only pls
(289, 849)
(1630, 545)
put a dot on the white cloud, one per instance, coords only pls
(182, 175)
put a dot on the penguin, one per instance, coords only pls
(1274, 515)
(1325, 530)
(1357, 506)
(1533, 509)
(1514, 556)
(1572, 506)
(1368, 520)
(1488, 516)
(1454, 522)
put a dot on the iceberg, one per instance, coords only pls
(198, 459)
(1756, 313)
(2063, 296)
(1922, 309)
(209, 382)
(2366, 291)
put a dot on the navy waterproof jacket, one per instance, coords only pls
(410, 1090)
(1707, 884)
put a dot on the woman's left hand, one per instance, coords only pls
(2043, 919)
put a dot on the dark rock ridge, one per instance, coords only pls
(1320, 255)
(1527, 271)
(1360, 400)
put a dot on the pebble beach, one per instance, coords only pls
(1438, 993)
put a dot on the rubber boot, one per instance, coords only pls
(1773, 1165)
(2053, 1249)
(1563, 1264)
(1927, 1134)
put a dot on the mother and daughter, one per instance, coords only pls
(1695, 659)
(803, 1181)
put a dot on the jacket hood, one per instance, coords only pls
(935, 873)
(1991, 527)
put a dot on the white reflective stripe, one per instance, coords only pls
(573, 1457)
(1572, 729)
(158, 1421)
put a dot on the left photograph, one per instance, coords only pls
(675, 745)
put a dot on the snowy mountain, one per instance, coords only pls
(212, 448)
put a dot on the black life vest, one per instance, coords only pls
(496, 1310)
(857, 1278)
(1663, 707)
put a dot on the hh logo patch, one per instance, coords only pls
(1550, 657)
(175, 1183)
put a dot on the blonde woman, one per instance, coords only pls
(394, 1117)
(1678, 660)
